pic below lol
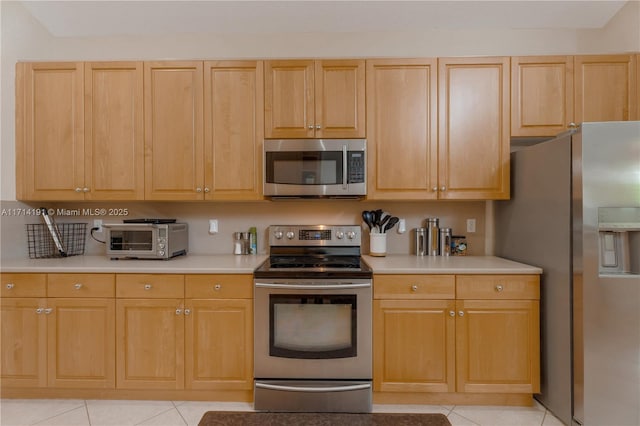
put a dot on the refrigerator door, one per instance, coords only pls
(534, 227)
(611, 302)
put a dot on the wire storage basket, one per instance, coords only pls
(41, 244)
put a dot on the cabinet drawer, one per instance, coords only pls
(80, 285)
(149, 286)
(23, 285)
(414, 287)
(498, 287)
(219, 286)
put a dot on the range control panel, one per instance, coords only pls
(314, 235)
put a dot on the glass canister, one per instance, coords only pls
(445, 241)
(421, 241)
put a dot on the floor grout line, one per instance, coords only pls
(86, 410)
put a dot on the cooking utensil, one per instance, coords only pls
(367, 216)
(377, 217)
(53, 230)
(384, 221)
(392, 222)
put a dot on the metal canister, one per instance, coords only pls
(421, 241)
(432, 246)
(445, 241)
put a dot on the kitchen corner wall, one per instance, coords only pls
(240, 216)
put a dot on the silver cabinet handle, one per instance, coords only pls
(147, 286)
(178, 311)
(198, 189)
(48, 311)
(10, 286)
(499, 288)
(434, 189)
(217, 287)
(461, 313)
(572, 125)
(187, 311)
(78, 189)
(207, 190)
(443, 188)
(77, 286)
(318, 127)
(414, 288)
(452, 313)
(39, 311)
(85, 189)
(310, 127)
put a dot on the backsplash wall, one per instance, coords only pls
(236, 216)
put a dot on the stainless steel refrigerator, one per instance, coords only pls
(575, 212)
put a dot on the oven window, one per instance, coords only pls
(312, 326)
(304, 168)
(131, 240)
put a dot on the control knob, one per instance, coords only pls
(340, 235)
(290, 235)
(278, 235)
(351, 235)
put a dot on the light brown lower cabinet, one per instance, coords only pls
(487, 340)
(126, 332)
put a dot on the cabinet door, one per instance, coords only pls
(219, 344)
(605, 88)
(81, 343)
(474, 138)
(114, 129)
(233, 130)
(414, 346)
(402, 129)
(50, 131)
(339, 99)
(498, 346)
(173, 102)
(541, 95)
(24, 342)
(288, 99)
(149, 344)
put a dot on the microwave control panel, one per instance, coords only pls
(356, 167)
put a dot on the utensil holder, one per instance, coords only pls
(378, 244)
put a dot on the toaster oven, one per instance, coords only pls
(146, 240)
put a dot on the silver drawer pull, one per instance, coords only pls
(414, 288)
(217, 287)
(147, 286)
(178, 311)
(10, 286)
(452, 313)
(48, 311)
(39, 311)
(461, 313)
(77, 286)
(499, 288)
(187, 311)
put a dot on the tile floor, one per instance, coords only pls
(66, 412)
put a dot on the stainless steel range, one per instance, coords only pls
(312, 322)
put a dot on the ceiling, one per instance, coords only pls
(139, 18)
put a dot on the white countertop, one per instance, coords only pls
(189, 264)
(232, 264)
(411, 264)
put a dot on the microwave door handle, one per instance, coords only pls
(344, 167)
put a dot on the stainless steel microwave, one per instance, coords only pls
(146, 240)
(315, 168)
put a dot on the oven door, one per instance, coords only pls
(306, 329)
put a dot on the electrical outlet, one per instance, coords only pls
(213, 226)
(471, 225)
(97, 223)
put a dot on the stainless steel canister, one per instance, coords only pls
(421, 241)
(445, 241)
(433, 248)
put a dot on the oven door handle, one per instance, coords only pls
(313, 389)
(313, 287)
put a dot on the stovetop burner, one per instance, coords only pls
(314, 251)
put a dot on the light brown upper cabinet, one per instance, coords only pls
(402, 129)
(79, 131)
(50, 131)
(233, 129)
(174, 133)
(473, 147)
(315, 99)
(114, 129)
(606, 88)
(541, 95)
